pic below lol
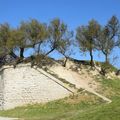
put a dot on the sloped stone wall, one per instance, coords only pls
(25, 85)
(1, 90)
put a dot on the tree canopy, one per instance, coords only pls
(86, 37)
(56, 36)
(109, 37)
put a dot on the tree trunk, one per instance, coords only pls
(39, 48)
(106, 58)
(66, 58)
(91, 61)
(21, 52)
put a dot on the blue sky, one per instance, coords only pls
(72, 12)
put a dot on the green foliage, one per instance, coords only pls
(38, 33)
(21, 36)
(59, 36)
(108, 37)
(56, 36)
(108, 67)
(4, 33)
(5, 38)
(86, 37)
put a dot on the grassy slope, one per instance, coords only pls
(56, 110)
(111, 89)
(81, 107)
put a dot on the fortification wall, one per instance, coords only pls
(24, 85)
(1, 90)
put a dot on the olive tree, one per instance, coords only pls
(6, 43)
(66, 46)
(109, 37)
(57, 32)
(37, 33)
(86, 36)
(21, 38)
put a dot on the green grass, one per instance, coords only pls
(101, 112)
(110, 87)
(56, 110)
(84, 106)
(64, 111)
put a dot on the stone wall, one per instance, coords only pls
(24, 85)
(1, 90)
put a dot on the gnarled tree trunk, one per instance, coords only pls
(106, 58)
(21, 52)
(65, 62)
(91, 61)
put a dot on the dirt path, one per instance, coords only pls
(83, 82)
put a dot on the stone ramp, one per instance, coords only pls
(56, 80)
(80, 81)
(78, 84)
(97, 94)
